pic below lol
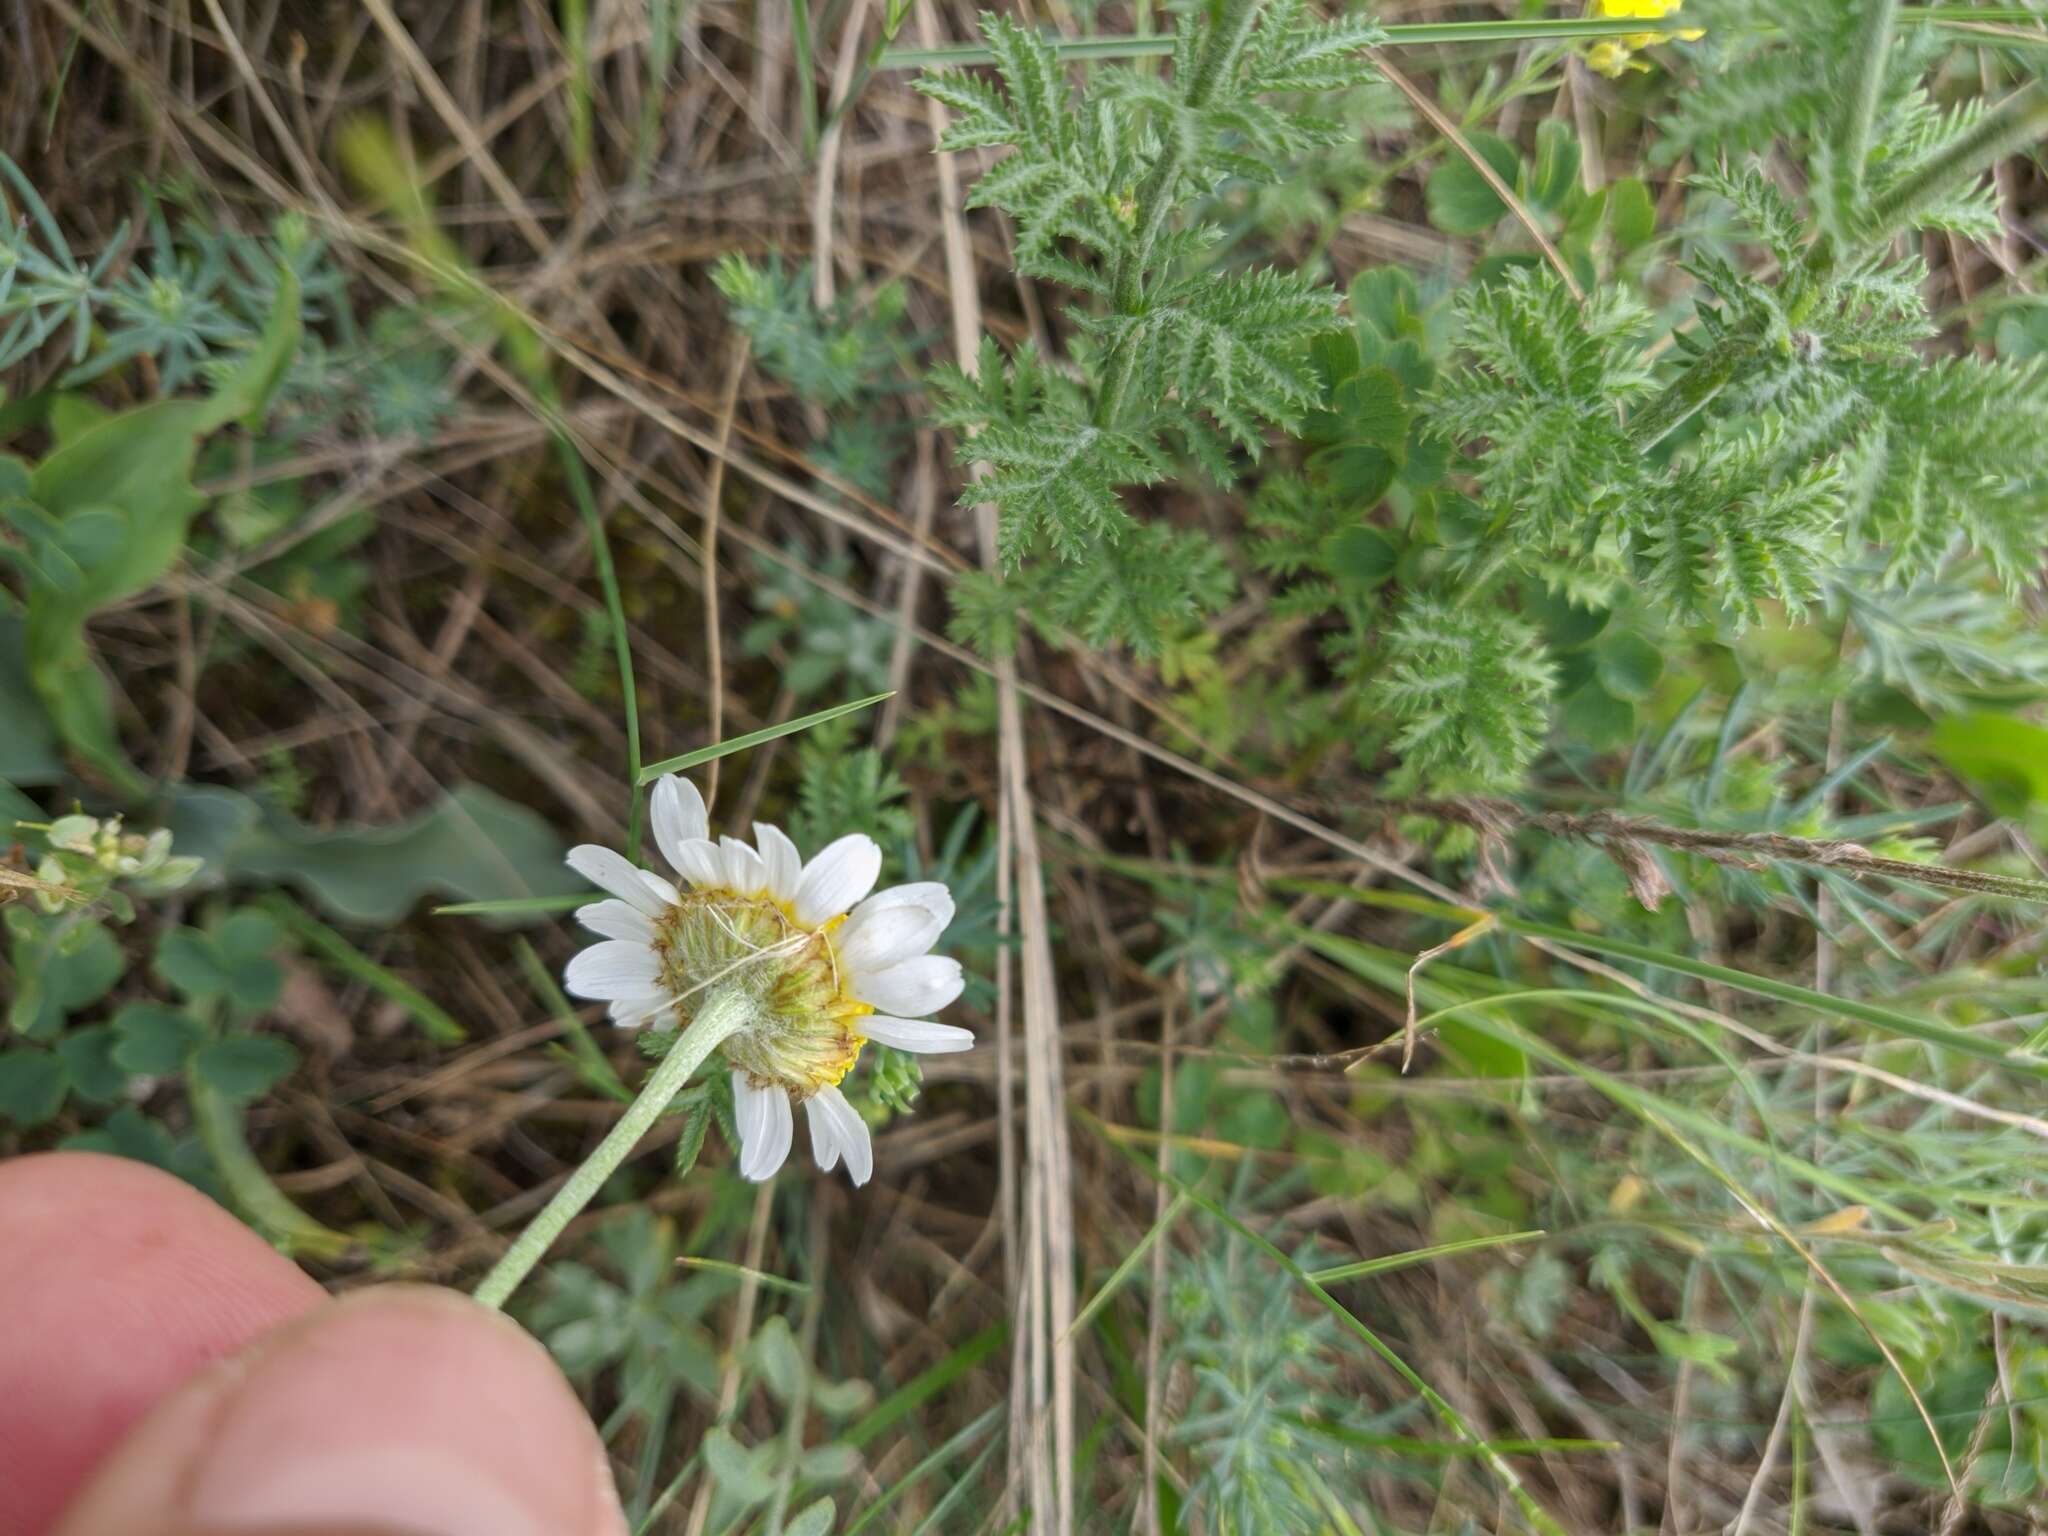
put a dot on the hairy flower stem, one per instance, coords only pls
(2012, 125)
(1155, 198)
(1873, 46)
(1711, 372)
(729, 1010)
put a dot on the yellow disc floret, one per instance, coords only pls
(802, 1038)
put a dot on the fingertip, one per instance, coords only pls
(405, 1407)
(120, 1283)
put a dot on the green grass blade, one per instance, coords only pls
(434, 1021)
(582, 1050)
(513, 906)
(1427, 33)
(1415, 1256)
(615, 615)
(654, 771)
(1538, 1518)
(1124, 1271)
(1911, 1026)
(975, 1429)
(928, 1383)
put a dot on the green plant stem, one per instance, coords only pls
(1873, 46)
(1410, 34)
(1708, 375)
(2012, 125)
(729, 1010)
(249, 1187)
(1155, 198)
(615, 614)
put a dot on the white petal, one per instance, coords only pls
(837, 878)
(699, 862)
(919, 1035)
(615, 968)
(874, 940)
(613, 874)
(784, 864)
(915, 987)
(849, 1130)
(668, 894)
(744, 871)
(775, 1127)
(932, 895)
(650, 1009)
(616, 920)
(678, 817)
(824, 1140)
(781, 860)
(750, 1118)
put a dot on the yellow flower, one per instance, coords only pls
(1614, 55)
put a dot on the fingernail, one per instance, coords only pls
(412, 1410)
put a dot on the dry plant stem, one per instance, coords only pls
(1155, 1320)
(714, 493)
(741, 1329)
(727, 1011)
(1742, 850)
(1047, 1290)
(1443, 125)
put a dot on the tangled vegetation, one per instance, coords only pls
(1454, 597)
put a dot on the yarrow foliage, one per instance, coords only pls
(1176, 360)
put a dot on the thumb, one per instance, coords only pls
(398, 1410)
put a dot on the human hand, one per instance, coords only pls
(163, 1373)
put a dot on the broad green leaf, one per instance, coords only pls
(122, 488)
(1628, 666)
(778, 1359)
(741, 1472)
(190, 962)
(2002, 758)
(471, 844)
(154, 1040)
(1361, 556)
(28, 746)
(88, 1056)
(56, 979)
(813, 1519)
(829, 1463)
(1553, 179)
(243, 1068)
(129, 1133)
(32, 1085)
(1460, 201)
(1631, 215)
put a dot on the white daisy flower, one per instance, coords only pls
(826, 966)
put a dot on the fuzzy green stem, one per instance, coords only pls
(1873, 47)
(728, 1011)
(2012, 125)
(1709, 374)
(1219, 56)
